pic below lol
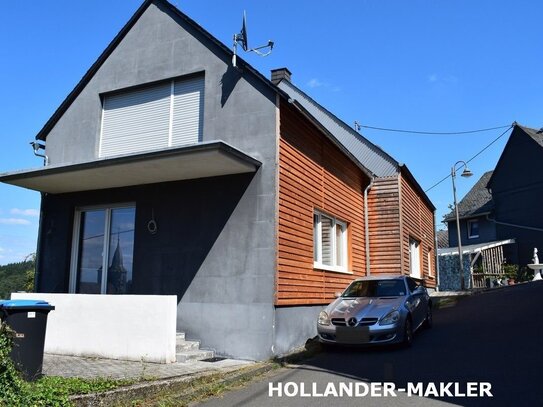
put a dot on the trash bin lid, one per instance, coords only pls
(25, 304)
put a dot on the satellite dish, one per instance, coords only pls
(241, 39)
(243, 33)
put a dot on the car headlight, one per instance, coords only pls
(324, 319)
(390, 318)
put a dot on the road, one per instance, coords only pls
(494, 337)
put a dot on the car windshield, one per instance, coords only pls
(375, 288)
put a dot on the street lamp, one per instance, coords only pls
(466, 173)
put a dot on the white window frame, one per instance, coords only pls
(75, 242)
(415, 264)
(469, 223)
(317, 244)
(430, 263)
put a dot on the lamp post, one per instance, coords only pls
(466, 173)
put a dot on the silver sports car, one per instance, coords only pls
(376, 310)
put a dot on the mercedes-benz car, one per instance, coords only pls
(376, 310)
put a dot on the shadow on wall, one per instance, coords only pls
(228, 82)
(190, 216)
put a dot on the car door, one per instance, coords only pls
(417, 302)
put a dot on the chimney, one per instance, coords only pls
(277, 75)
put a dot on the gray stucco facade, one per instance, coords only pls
(227, 299)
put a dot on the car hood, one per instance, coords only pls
(364, 307)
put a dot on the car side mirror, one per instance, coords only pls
(337, 294)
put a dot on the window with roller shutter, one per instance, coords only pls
(167, 114)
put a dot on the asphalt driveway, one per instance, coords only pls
(495, 337)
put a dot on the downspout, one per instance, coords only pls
(435, 253)
(366, 228)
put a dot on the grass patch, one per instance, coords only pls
(203, 388)
(47, 391)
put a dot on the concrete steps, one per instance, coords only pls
(188, 351)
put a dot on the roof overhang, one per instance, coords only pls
(174, 164)
(474, 248)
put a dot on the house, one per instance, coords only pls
(169, 171)
(500, 216)
(472, 213)
(516, 186)
(400, 226)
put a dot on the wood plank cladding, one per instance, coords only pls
(418, 223)
(314, 174)
(384, 226)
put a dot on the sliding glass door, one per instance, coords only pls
(102, 254)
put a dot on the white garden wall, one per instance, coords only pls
(128, 327)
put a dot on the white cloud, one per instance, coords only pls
(447, 79)
(315, 83)
(25, 212)
(14, 221)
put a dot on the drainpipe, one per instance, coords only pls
(37, 146)
(366, 227)
(437, 257)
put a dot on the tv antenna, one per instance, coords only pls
(241, 39)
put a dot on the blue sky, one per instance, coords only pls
(417, 65)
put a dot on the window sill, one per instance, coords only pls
(322, 267)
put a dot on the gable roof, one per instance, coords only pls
(374, 158)
(478, 201)
(535, 135)
(242, 65)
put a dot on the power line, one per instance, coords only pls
(475, 156)
(358, 125)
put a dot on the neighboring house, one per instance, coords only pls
(516, 186)
(169, 171)
(472, 213)
(500, 217)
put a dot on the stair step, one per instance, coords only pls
(192, 355)
(180, 336)
(182, 345)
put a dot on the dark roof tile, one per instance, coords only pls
(477, 201)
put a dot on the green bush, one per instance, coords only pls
(47, 391)
(11, 384)
(14, 391)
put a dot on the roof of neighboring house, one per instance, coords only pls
(374, 158)
(478, 201)
(442, 239)
(537, 135)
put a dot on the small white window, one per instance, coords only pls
(473, 229)
(329, 243)
(414, 258)
(430, 262)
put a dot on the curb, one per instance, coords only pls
(182, 387)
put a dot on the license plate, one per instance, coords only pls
(353, 335)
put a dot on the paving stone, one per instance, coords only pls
(73, 366)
